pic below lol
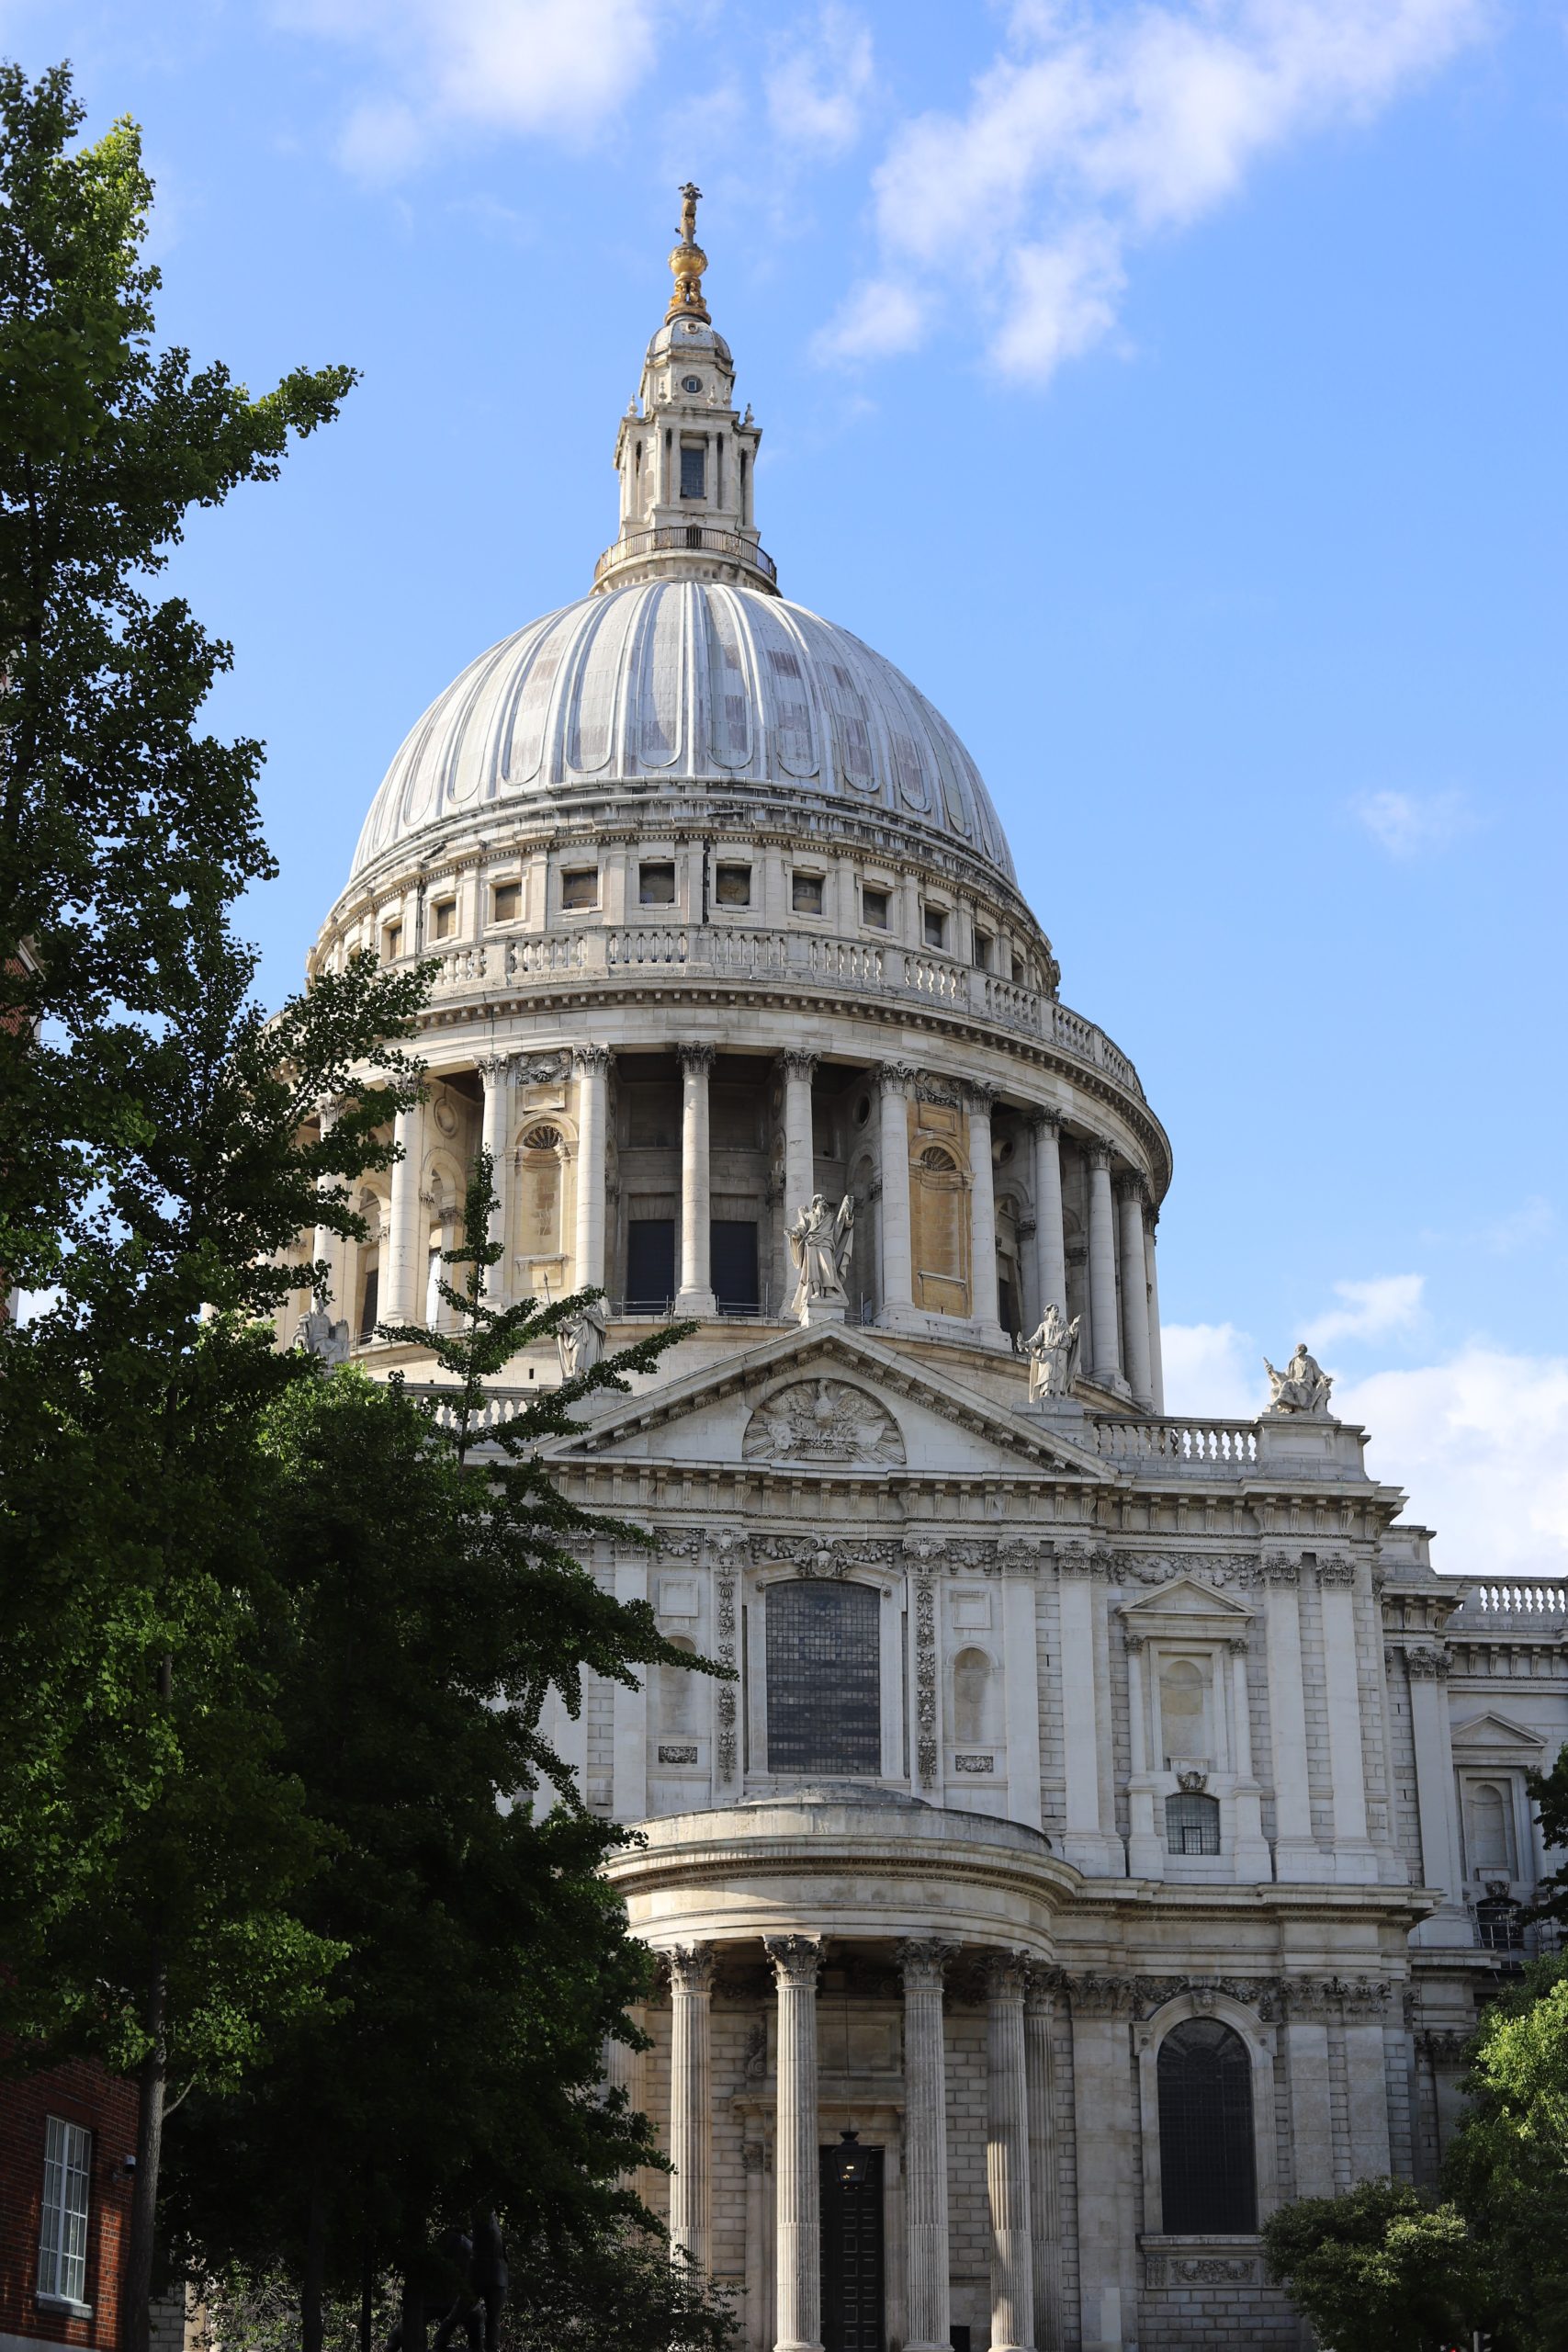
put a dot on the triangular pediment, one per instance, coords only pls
(1184, 1597)
(829, 1401)
(1492, 1733)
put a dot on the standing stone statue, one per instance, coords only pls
(1302, 1387)
(1053, 1355)
(820, 1241)
(582, 1344)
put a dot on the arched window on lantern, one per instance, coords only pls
(1208, 2176)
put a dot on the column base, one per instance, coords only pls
(792, 2344)
(695, 1307)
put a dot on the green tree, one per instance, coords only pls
(1508, 2165)
(155, 1159)
(458, 2062)
(1383, 2269)
(1549, 1791)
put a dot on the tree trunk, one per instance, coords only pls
(311, 2331)
(151, 2084)
(415, 2336)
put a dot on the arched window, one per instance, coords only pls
(1490, 1845)
(1208, 2185)
(939, 1209)
(1183, 1709)
(1192, 1823)
(824, 1679)
(972, 1711)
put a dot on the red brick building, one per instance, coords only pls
(66, 2136)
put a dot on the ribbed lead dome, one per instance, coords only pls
(686, 681)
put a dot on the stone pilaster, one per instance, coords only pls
(590, 1066)
(696, 1297)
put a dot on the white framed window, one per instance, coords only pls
(62, 2232)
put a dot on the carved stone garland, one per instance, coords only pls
(925, 1681)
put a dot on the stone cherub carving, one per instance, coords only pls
(1053, 1355)
(820, 1241)
(1302, 1387)
(582, 1342)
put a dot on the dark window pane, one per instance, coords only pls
(807, 895)
(368, 1313)
(657, 885)
(1192, 1824)
(651, 1261)
(824, 1684)
(1205, 2131)
(691, 472)
(733, 1257)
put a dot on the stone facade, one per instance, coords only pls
(1109, 1818)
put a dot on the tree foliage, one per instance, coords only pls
(1508, 2165)
(1550, 1792)
(1383, 2269)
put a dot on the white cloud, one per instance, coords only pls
(1374, 1310)
(817, 86)
(1533, 1221)
(559, 68)
(1211, 1368)
(1480, 1445)
(1092, 132)
(1414, 824)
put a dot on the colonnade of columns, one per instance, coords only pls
(1121, 1306)
(1019, 2159)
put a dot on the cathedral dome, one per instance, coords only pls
(682, 681)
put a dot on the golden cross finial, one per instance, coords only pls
(688, 262)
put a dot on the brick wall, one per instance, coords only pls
(80, 2093)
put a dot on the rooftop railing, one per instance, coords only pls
(683, 539)
(918, 977)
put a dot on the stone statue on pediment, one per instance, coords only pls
(1053, 1355)
(1302, 1387)
(820, 1241)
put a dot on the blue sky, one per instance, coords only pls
(1175, 391)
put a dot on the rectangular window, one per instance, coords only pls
(63, 2233)
(873, 908)
(505, 901)
(732, 1261)
(982, 951)
(656, 886)
(936, 927)
(693, 471)
(392, 942)
(651, 1263)
(732, 886)
(444, 918)
(580, 887)
(1019, 977)
(824, 1679)
(808, 897)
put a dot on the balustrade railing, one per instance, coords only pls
(742, 952)
(1531, 1599)
(1227, 1445)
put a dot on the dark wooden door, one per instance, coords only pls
(851, 2257)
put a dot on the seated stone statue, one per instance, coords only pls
(1053, 1355)
(319, 1336)
(1302, 1387)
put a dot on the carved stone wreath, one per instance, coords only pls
(822, 1420)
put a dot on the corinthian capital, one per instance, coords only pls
(798, 1960)
(691, 1967)
(695, 1055)
(590, 1059)
(924, 1961)
(796, 1063)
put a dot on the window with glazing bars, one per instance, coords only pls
(824, 1679)
(1208, 2185)
(1192, 1824)
(693, 471)
(62, 2230)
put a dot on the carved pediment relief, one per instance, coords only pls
(1184, 1602)
(822, 1420)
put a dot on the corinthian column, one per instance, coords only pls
(496, 1072)
(799, 1166)
(1130, 1198)
(1039, 2005)
(1156, 1354)
(691, 2102)
(892, 1133)
(590, 1064)
(1007, 2159)
(1106, 1370)
(696, 1286)
(929, 2319)
(982, 1212)
(1050, 1240)
(798, 1961)
(402, 1292)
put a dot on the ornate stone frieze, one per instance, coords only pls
(1280, 1568)
(823, 1421)
(725, 1547)
(925, 1681)
(1443, 2045)
(932, 1087)
(677, 1751)
(1139, 1996)
(544, 1069)
(1084, 1560)
(1335, 1571)
(1426, 1664)
(1337, 1996)
(1200, 2270)
(1162, 1567)
(961, 1763)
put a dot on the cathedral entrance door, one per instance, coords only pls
(851, 2255)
